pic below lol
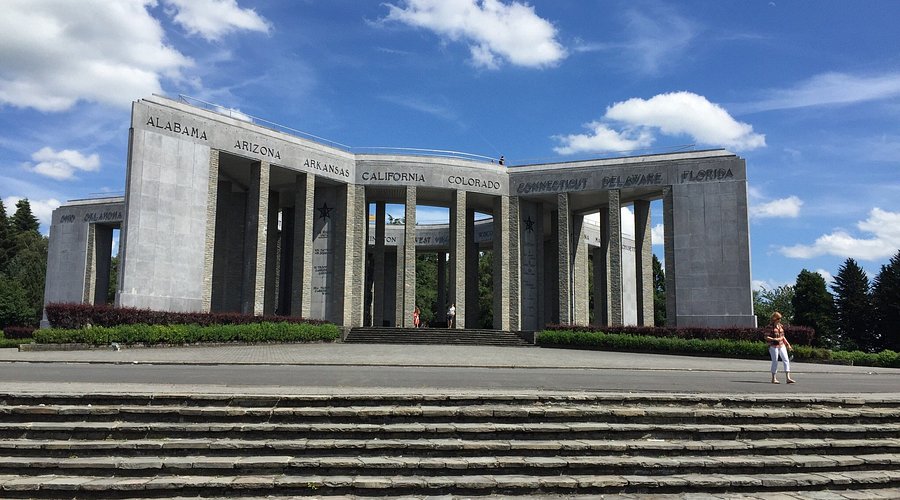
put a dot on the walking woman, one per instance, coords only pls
(778, 346)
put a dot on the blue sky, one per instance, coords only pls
(808, 92)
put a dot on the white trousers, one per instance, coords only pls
(779, 351)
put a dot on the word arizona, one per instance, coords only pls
(252, 147)
(176, 127)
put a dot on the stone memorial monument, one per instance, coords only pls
(221, 214)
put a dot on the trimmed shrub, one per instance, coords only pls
(189, 334)
(799, 335)
(642, 343)
(73, 316)
(7, 342)
(814, 354)
(18, 332)
(745, 349)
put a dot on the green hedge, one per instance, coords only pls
(719, 347)
(190, 334)
(7, 343)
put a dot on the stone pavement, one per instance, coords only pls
(338, 354)
(436, 369)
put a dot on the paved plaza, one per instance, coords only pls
(332, 368)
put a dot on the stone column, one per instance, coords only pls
(514, 264)
(500, 262)
(458, 233)
(254, 282)
(90, 264)
(441, 288)
(643, 262)
(212, 192)
(580, 276)
(301, 271)
(564, 241)
(378, 266)
(354, 256)
(614, 237)
(669, 252)
(471, 316)
(409, 264)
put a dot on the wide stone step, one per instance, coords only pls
(487, 430)
(434, 336)
(446, 447)
(463, 444)
(462, 414)
(438, 465)
(79, 486)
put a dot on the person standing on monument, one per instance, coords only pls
(416, 317)
(778, 346)
(451, 316)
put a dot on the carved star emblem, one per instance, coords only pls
(325, 211)
(529, 224)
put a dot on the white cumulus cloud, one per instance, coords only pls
(829, 278)
(671, 114)
(211, 19)
(56, 53)
(495, 31)
(884, 227)
(602, 138)
(657, 234)
(62, 165)
(786, 207)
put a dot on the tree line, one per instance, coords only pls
(857, 314)
(23, 267)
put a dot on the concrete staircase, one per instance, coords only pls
(378, 335)
(134, 446)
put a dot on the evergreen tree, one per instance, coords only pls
(426, 287)
(114, 280)
(14, 308)
(886, 301)
(659, 293)
(486, 289)
(28, 268)
(766, 301)
(5, 237)
(814, 306)
(853, 308)
(23, 220)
